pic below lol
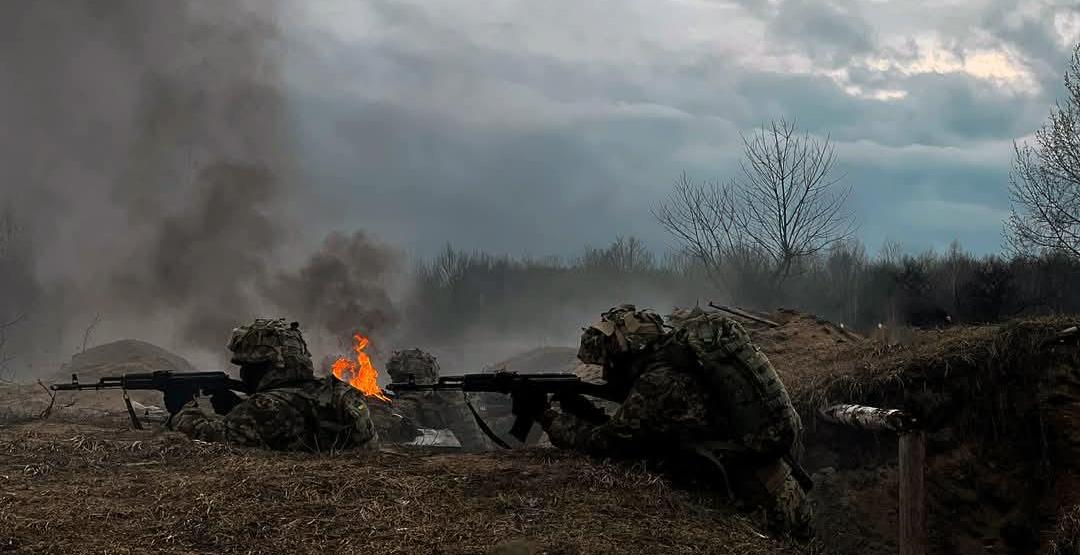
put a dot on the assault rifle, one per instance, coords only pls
(177, 387)
(528, 394)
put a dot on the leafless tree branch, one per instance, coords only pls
(47, 411)
(1044, 185)
(786, 205)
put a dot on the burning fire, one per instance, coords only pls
(361, 373)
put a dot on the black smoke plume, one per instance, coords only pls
(147, 157)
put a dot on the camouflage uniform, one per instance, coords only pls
(701, 399)
(432, 409)
(289, 409)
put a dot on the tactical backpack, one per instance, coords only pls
(758, 409)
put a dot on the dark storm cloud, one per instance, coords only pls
(831, 31)
(483, 125)
(428, 184)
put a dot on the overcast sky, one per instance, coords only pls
(540, 127)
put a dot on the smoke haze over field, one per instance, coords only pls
(149, 162)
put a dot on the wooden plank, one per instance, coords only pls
(912, 493)
(869, 418)
(744, 314)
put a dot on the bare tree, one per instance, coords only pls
(785, 206)
(891, 253)
(1045, 181)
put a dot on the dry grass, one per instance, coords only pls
(999, 403)
(821, 366)
(67, 488)
(1066, 538)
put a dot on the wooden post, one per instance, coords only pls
(912, 493)
(912, 454)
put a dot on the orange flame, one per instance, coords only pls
(362, 373)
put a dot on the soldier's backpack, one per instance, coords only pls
(758, 409)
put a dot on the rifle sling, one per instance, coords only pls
(483, 425)
(799, 473)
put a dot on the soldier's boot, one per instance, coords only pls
(788, 507)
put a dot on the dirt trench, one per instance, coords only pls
(1002, 405)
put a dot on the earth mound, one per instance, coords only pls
(121, 357)
(110, 359)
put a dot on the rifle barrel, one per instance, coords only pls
(510, 382)
(159, 380)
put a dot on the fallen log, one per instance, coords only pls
(870, 418)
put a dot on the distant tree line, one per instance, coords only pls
(846, 285)
(458, 291)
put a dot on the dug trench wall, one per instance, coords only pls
(1002, 407)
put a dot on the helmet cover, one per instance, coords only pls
(421, 365)
(622, 329)
(275, 346)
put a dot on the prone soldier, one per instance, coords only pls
(701, 397)
(288, 408)
(432, 409)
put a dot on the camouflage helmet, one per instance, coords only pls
(623, 329)
(421, 365)
(273, 343)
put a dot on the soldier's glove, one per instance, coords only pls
(223, 401)
(581, 407)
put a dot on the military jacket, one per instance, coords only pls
(315, 416)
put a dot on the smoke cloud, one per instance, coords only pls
(147, 157)
(203, 261)
(342, 288)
